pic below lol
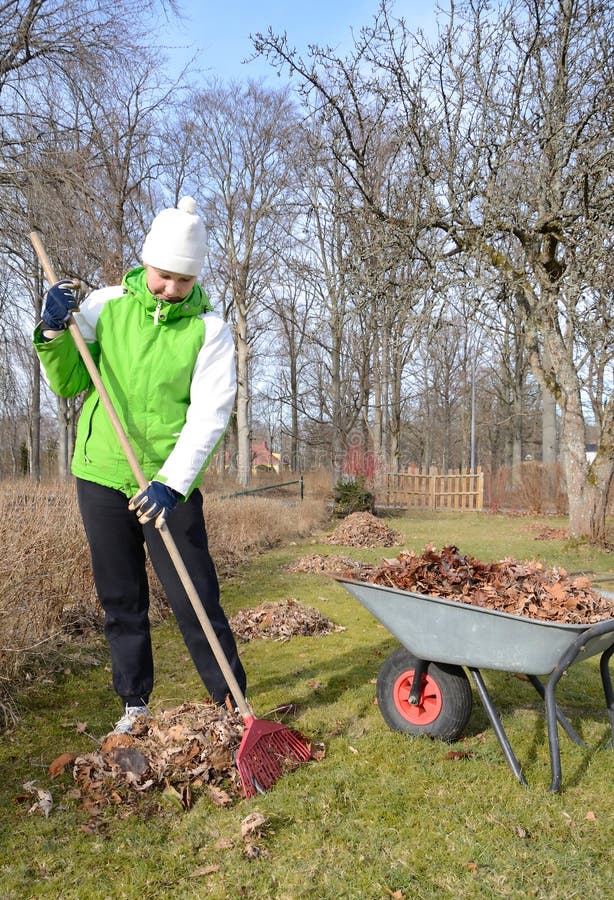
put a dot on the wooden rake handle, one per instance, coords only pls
(184, 576)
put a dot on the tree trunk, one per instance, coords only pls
(35, 421)
(549, 446)
(63, 438)
(244, 462)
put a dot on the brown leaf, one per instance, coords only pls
(113, 740)
(218, 796)
(129, 759)
(58, 766)
(455, 755)
(318, 751)
(251, 851)
(224, 844)
(203, 871)
(252, 823)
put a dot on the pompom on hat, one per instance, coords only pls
(176, 241)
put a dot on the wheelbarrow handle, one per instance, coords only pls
(142, 482)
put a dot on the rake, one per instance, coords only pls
(267, 748)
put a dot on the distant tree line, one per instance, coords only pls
(413, 245)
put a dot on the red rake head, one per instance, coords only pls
(266, 751)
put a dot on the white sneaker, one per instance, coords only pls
(125, 725)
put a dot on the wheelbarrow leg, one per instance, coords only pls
(563, 721)
(563, 664)
(495, 721)
(606, 680)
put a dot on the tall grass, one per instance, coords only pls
(47, 594)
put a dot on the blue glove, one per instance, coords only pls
(59, 303)
(156, 501)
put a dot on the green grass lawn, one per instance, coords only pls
(382, 815)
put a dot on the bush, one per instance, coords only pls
(47, 596)
(351, 495)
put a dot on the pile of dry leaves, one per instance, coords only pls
(322, 564)
(521, 588)
(548, 532)
(362, 529)
(180, 750)
(279, 621)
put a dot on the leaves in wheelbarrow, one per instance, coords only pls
(520, 588)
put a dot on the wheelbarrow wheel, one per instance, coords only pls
(444, 704)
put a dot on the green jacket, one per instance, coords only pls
(169, 370)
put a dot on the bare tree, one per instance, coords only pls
(507, 119)
(239, 139)
(75, 125)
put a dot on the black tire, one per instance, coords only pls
(445, 699)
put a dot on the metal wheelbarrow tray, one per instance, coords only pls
(423, 689)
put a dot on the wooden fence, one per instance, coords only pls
(428, 489)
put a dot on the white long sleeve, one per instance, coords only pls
(212, 394)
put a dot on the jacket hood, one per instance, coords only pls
(197, 302)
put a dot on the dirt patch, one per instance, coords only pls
(279, 621)
(521, 588)
(362, 529)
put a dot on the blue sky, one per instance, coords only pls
(219, 29)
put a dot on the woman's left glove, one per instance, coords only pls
(155, 501)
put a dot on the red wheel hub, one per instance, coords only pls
(429, 704)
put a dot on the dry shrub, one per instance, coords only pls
(46, 587)
(538, 489)
(240, 527)
(44, 571)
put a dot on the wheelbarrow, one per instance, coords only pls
(423, 689)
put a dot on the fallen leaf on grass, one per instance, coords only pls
(219, 796)
(455, 755)
(318, 751)
(252, 823)
(251, 851)
(58, 766)
(590, 816)
(182, 795)
(44, 801)
(224, 844)
(203, 871)
(398, 895)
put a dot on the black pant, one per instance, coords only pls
(117, 546)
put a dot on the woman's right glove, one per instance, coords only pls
(59, 303)
(155, 501)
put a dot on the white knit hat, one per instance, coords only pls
(176, 241)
